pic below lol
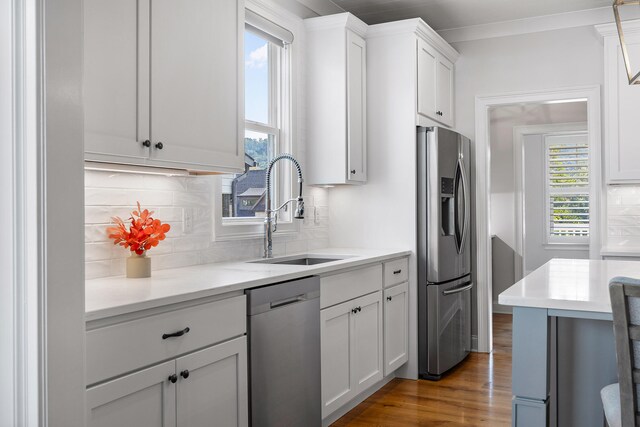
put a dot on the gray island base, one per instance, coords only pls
(563, 344)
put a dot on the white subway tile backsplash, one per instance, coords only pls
(110, 194)
(623, 216)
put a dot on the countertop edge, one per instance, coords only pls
(320, 269)
(552, 304)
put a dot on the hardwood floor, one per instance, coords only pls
(476, 393)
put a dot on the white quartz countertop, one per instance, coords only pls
(569, 284)
(114, 296)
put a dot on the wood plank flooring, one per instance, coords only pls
(476, 393)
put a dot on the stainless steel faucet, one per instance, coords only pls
(268, 221)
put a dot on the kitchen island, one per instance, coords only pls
(563, 345)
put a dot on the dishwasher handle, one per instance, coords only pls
(287, 301)
(280, 295)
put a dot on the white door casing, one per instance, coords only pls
(483, 190)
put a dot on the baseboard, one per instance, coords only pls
(501, 309)
(332, 418)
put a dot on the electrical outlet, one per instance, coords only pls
(187, 220)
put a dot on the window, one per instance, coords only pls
(267, 132)
(567, 188)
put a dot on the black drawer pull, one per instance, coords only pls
(176, 334)
(173, 378)
(397, 271)
(185, 374)
(389, 298)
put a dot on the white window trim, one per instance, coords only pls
(566, 242)
(286, 135)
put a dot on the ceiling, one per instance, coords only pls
(446, 14)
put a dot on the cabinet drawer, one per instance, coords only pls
(396, 271)
(121, 348)
(345, 286)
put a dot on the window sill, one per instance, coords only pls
(567, 246)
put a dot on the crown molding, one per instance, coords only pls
(629, 27)
(339, 20)
(537, 24)
(417, 27)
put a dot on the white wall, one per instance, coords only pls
(109, 194)
(548, 60)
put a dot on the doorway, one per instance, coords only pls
(530, 205)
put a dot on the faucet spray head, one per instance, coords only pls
(299, 213)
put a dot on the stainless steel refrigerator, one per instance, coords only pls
(444, 250)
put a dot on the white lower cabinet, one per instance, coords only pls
(212, 386)
(143, 399)
(351, 340)
(185, 366)
(208, 387)
(396, 334)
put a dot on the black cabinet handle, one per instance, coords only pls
(159, 145)
(176, 334)
(173, 378)
(353, 171)
(185, 374)
(389, 298)
(397, 271)
(354, 310)
(359, 308)
(439, 113)
(146, 143)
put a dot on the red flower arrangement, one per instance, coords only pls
(144, 233)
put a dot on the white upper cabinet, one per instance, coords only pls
(111, 82)
(336, 100)
(163, 84)
(621, 102)
(435, 84)
(356, 107)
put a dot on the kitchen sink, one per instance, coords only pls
(299, 260)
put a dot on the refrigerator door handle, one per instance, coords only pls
(465, 191)
(464, 287)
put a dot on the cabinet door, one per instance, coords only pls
(356, 108)
(427, 62)
(197, 111)
(444, 91)
(212, 386)
(337, 347)
(143, 399)
(367, 338)
(623, 126)
(396, 323)
(115, 83)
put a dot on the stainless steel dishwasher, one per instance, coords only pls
(284, 354)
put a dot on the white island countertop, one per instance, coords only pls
(569, 284)
(113, 296)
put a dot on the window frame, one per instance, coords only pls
(550, 240)
(282, 107)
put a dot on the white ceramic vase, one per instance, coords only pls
(138, 266)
